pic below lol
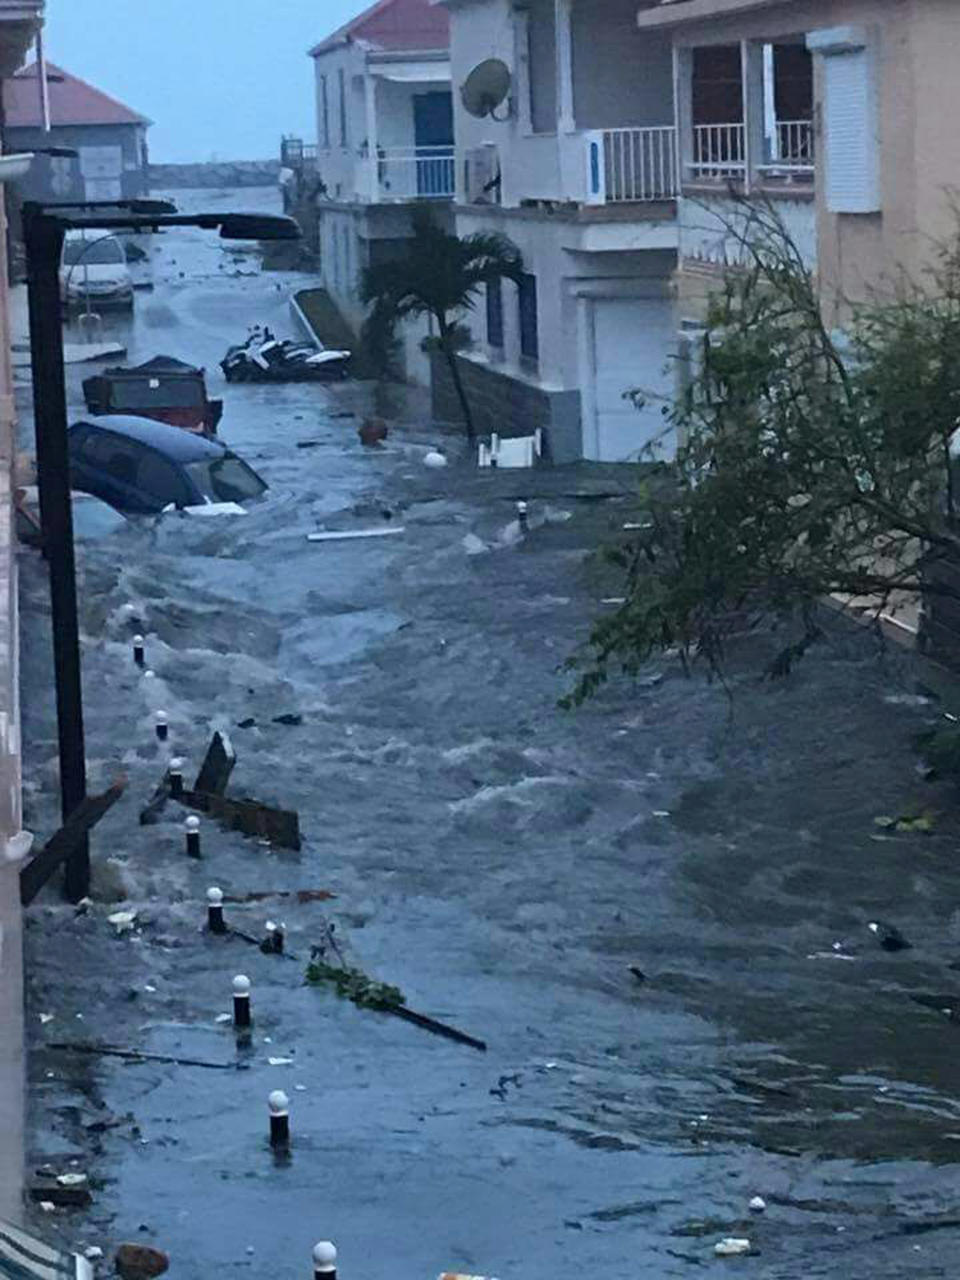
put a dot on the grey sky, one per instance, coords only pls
(217, 77)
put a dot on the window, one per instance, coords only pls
(119, 458)
(342, 79)
(95, 251)
(850, 143)
(161, 480)
(324, 114)
(542, 66)
(495, 314)
(347, 265)
(225, 479)
(529, 335)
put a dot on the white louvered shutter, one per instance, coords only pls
(851, 150)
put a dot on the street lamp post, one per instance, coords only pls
(44, 228)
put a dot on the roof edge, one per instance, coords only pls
(677, 13)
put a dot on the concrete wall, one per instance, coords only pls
(40, 183)
(609, 90)
(340, 166)
(509, 406)
(11, 958)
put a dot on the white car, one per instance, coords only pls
(94, 271)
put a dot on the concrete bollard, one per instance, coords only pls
(175, 777)
(192, 829)
(215, 920)
(279, 1105)
(138, 651)
(241, 1001)
(324, 1261)
(162, 725)
(522, 517)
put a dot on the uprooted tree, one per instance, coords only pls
(440, 275)
(811, 463)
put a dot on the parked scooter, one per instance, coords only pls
(264, 358)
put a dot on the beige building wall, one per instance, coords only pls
(918, 89)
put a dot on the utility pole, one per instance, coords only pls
(43, 237)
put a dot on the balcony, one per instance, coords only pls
(719, 154)
(414, 173)
(637, 165)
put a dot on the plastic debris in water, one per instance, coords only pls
(434, 459)
(71, 1179)
(757, 1204)
(280, 1062)
(45, 1018)
(732, 1247)
(122, 920)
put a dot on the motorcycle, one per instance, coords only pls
(264, 358)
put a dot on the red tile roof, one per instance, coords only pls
(72, 101)
(395, 26)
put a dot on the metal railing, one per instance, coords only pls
(640, 164)
(793, 144)
(719, 151)
(416, 173)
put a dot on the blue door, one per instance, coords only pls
(433, 139)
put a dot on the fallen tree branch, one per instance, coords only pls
(135, 1055)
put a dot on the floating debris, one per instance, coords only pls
(732, 1247)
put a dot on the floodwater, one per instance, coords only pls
(502, 861)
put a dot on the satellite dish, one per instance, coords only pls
(485, 88)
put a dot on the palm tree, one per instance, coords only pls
(439, 275)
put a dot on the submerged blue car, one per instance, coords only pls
(140, 466)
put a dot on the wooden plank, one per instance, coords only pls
(62, 844)
(217, 766)
(279, 826)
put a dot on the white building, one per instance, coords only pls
(578, 167)
(384, 142)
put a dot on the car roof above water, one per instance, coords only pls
(180, 445)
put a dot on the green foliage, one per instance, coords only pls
(440, 275)
(810, 463)
(354, 985)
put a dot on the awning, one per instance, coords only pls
(414, 73)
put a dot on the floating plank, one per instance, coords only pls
(438, 1028)
(217, 766)
(279, 826)
(352, 535)
(63, 843)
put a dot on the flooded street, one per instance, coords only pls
(502, 861)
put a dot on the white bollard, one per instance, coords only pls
(162, 725)
(279, 1105)
(324, 1261)
(192, 830)
(241, 1001)
(215, 920)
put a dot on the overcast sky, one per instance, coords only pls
(217, 77)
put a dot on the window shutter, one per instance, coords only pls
(851, 151)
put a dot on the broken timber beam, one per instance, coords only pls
(279, 826)
(63, 842)
(217, 766)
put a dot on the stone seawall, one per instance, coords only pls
(240, 173)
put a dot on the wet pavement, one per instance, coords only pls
(502, 861)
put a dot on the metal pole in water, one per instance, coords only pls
(192, 829)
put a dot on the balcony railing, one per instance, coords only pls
(792, 158)
(631, 165)
(719, 152)
(641, 164)
(416, 173)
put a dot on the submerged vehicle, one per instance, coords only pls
(163, 388)
(142, 467)
(264, 358)
(94, 271)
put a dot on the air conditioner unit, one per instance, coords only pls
(481, 174)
